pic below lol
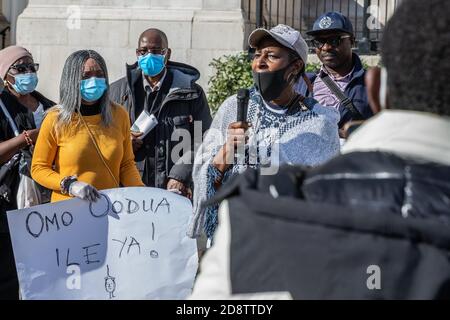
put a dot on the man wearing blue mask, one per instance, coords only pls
(167, 92)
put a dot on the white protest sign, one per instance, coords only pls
(130, 244)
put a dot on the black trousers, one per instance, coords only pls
(9, 284)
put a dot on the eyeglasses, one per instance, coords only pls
(143, 51)
(333, 41)
(24, 67)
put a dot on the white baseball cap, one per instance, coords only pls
(284, 35)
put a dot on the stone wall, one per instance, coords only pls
(198, 31)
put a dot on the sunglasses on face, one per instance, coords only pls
(145, 51)
(332, 41)
(24, 67)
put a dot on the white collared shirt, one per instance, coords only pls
(157, 86)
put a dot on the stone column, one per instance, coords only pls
(198, 31)
(11, 10)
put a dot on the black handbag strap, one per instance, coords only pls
(343, 99)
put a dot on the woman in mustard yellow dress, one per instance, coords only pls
(84, 143)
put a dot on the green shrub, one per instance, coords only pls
(232, 72)
(313, 67)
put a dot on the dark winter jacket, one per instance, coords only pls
(179, 103)
(366, 225)
(24, 120)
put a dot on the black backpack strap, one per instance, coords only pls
(343, 99)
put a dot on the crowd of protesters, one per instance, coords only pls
(83, 143)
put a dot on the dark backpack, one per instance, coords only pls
(316, 250)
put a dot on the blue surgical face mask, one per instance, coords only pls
(25, 83)
(93, 89)
(151, 64)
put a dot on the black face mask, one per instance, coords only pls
(270, 84)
